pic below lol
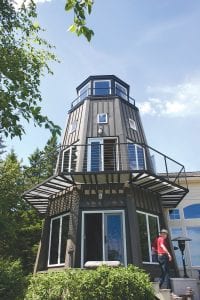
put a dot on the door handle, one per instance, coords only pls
(105, 239)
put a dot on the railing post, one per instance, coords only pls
(166, 167)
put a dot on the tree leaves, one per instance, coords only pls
(80, 9)
(20, 225)
(24, 60)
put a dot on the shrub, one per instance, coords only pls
(12, 280)
(102, 284)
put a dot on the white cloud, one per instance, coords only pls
(174, 101)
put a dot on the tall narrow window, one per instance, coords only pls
(102, 87)
(69, 159)
(58, 240)
(102, 154)
(149, 229)
(120, 90)
(136, 157)
(194, 233)
(72, 126)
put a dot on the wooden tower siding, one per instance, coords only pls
(80, 192)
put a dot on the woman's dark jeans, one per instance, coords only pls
(164, 266)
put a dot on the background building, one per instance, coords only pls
(184, 220)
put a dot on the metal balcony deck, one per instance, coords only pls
(170, 193)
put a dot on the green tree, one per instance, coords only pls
(42, 163)
(80, 9)
(50, 155)
(24, 59)
(20, 226)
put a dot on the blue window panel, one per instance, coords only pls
(136, 157)
(84, 92)
(101, 88)
(174, 214)
(140, 155)
(132, 157)
(192, 211)
(114, 237)
(194, 234)
(95, 156)
(102, 118)
(121, 91)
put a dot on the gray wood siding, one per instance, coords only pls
(78, 116)
(127, 112)
(110, 107)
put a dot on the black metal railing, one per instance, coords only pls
(102, 92)
(111, 156)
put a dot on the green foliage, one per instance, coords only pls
(80, 9)
(20, 226)
(12, 280)
(24, 59)
(42, 163)
(101, 284)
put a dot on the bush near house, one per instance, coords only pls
(12, 280)
(103, 283)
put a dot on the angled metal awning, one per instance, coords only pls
(39, 196)
(170, 192)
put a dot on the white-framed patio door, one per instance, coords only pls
(103, 236)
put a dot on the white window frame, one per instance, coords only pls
(81, 92)
(136, 154)
(175, 218)
(148, 233)
(90, 140)
(59, 242)
(132, 124)
(98, 118)
(70, 157)
(103, 212)
(125, 91)
(73, 126)
(94, 88)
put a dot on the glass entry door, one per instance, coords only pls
(103, 236)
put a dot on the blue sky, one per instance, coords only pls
(153, 45)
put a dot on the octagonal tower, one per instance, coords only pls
(106, 199)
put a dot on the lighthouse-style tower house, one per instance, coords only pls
(106, 200)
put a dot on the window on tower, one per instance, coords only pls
(69, 159)
(136, 156)
(72, 126)
(58, 240)
(102, 118)
(132, 124)
(102, 87)
(120, 90)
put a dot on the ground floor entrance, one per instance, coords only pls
(103, 236)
